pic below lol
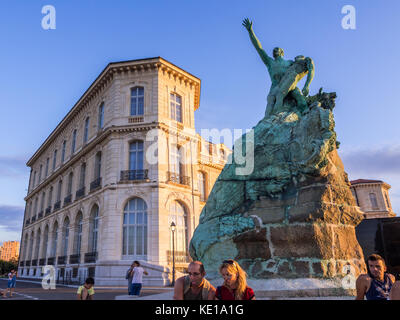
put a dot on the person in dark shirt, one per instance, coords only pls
(235, 284)
(375, 285)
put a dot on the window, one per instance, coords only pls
(387, 199)
(54, 159)
(134, 231)
(86, 131)
(42, 202)
(47, 167)
(65, 236)
(93, 228)
(63, 151)
(137, 101)
(101, 116)
(45, 242)
(49, 200)
(374, 202)
(34, 179)
(55, 239)
(136, 155)
(177, 214)
(82, 176)
(26, 247)
(176, 107)
(59, 190)
(40, 173)
(31, 247)
(97, 166)
(37, 246)
(36, 206)
(78, 233)
(202, 186)
(73, 142)
(176, 160)
(70, 179)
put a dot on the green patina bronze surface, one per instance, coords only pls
(297, 178)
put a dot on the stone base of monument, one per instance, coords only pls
(304, 288)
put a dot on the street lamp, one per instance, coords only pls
(173, 228)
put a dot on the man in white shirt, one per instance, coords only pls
(137, 280)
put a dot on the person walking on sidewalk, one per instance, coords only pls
(129, 276)
(137, 278)
(12, 280)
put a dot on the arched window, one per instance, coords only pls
(93, 228)
(65, 236)
(202, 186)
(54, 240)
(176, 107)
(45, 242)
(31, 246)
(137, 101)
(86, 130)
(26, 247)
(178, 215)
(134, 239)
(100, 122)
(37, 245)
(136, 155)
(78, 233)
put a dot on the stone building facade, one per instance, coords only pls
(122, 165)
(9, 250)
(372, 196)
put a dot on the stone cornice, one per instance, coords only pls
(104, 79)
(369, 184)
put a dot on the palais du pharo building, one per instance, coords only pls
(122, 165)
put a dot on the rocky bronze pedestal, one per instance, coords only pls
(293, 217)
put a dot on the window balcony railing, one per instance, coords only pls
(42, 262)
(130, 175)
(96, 184)
(34, 262)
(67, 200)
(28, 263)
(48, 211)
(177, 178)
(74, 258)
(40, 215)
(33, 219)
(27, 221)
(50, 261)
(62, 260)
(57, 205)
(180, 257)
(21, 263)
(80, 193)
(90, 257)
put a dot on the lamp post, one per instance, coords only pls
(173, 228)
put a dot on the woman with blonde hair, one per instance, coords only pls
(235, 284)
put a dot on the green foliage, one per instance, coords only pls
(7, 266)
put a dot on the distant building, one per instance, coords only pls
(9, 250)
(372, 196)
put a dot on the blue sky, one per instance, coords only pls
(44, 72)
